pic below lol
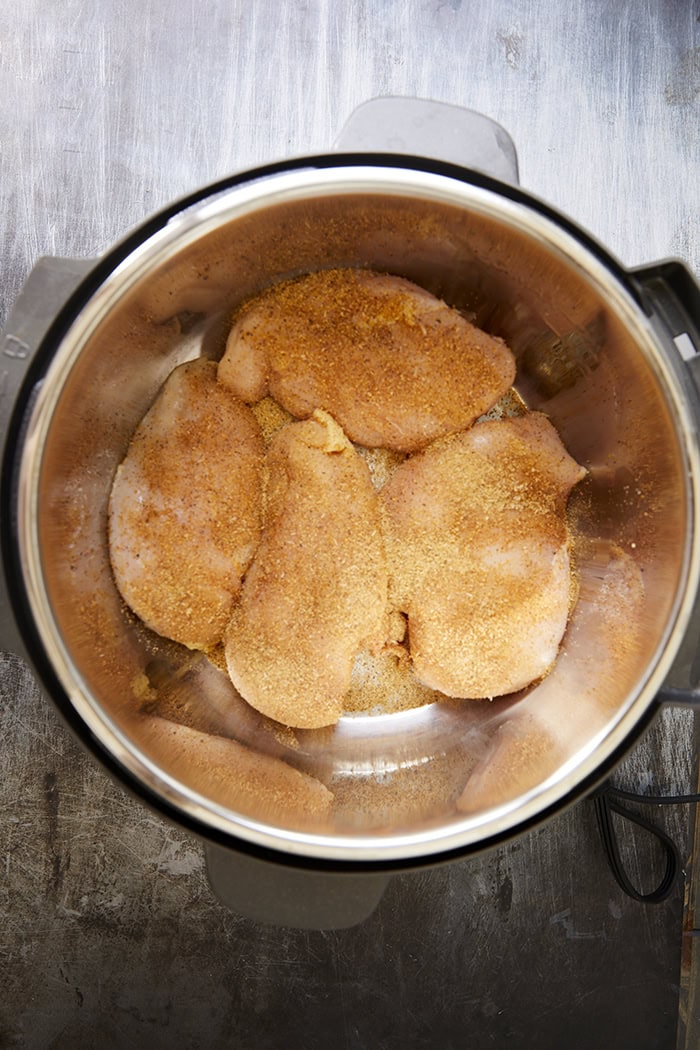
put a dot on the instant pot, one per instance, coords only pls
(429, 192)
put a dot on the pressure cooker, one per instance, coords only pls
(429, 192)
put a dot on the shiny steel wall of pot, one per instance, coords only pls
(444, 776)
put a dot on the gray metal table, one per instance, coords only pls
(109, 934)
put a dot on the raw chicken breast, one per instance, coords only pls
(185, 508)
(477, 548)
(395, 366)
(234, 775)
(317, 589)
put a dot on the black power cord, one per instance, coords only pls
(608, 802)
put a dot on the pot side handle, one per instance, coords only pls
(298, 898)
(669, 290)
(437, 130)
(45, 291)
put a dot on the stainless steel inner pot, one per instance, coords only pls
(447, 776)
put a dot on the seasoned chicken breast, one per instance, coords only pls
(316, 591)
(395, 366)
(603, 650)
(185, 508)
(477, 548)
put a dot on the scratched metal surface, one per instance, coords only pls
(109, 935)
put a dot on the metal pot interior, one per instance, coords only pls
(446, 774)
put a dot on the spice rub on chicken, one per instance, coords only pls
(230, 521)
(395, 366)
(185, 507)
(316, 591)
(478, 555)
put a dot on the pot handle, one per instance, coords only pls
(300, 898)
(669, 291)
(46, 289)
(673, 696)
(436, 130)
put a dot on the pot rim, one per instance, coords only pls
(192, 219)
